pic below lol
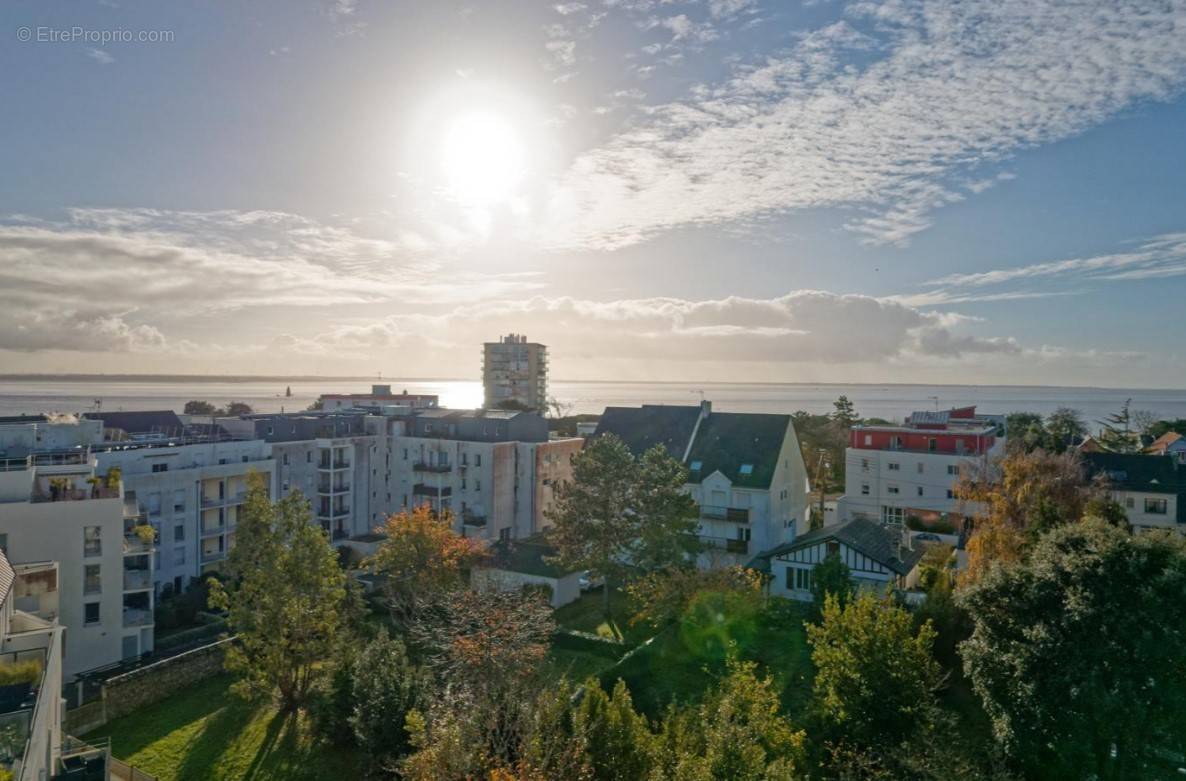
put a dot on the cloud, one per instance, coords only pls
(889, 112)
(724, 9)
(100, 56)
(109, 278)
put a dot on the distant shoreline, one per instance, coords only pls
(165, 378)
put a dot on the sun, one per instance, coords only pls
(482, 158)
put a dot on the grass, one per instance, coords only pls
(204, 732)
(687, 658)
(587, 615)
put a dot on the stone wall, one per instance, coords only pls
(153, 683)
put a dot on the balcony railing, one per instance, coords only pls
(425, 466)
(342, 488)
(214, 555)
(137, 579)
(213, 501)
(212, 531)
(134, 546)
(423, 489)
(726, 543)
(134, 617)
(719, 513)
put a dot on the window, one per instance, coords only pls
(179, 500)
(920, 467)
(695, 466)
(894, 466)
(92, 579)
(1129, 502)
(463, 484)
(179, 556)
(953, 470)
(1156, 506)
(179, 532)
(833, 548)
(478, 459)
(932, 443)
(950, 494)
(92, 541)
(504, 535)
(868, 439)
(405, 454)
(891, 489)
(269, 429)
(920, 490)
(802, 580)
(285, 459)
(864, 489)
(747, 469)
(864, 465)
(160, 467)
(309, 457)
(891, 514)
(90, 613)
(477, 485)
(154, 504)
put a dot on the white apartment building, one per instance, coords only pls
(746, 472)
(515, 371)
(893, 473)
(55, 507)
(31, 638)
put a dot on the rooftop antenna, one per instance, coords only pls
(936, 400)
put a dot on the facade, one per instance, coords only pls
(746, 472)
(494, 469)
(515, 371)
(1150, 488)
(380, 396)
(31, 639)
(55, 507)
(879, 558)
(893, 473)
(1170, 443)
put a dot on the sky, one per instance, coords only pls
(934, 191)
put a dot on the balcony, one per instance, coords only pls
(134, 546)
(134, 617)
(238, 498)
(214, 555)
(213, 530)
(333, 512)
(425, 466)
(326, 465)
(473, 519)
(423, 489)
(213, 501)
(727, 544)
(713, 512)
(137, 580)
(330, 490)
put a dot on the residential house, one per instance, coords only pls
(1151, 489)
(1170, 443)
(746, 472)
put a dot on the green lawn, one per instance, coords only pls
(685, 659)
(588, 615)
(204, 733)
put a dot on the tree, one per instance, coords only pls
(1018, 497)
(876, 680)
(1076, 653)
(386, 687)
(664, 514)
(659, 598)
(1065, 428)
(593, 515)
(738, 733)
(422, 557)
(617, 739)
(1144, 421)
(845, 416)
(200, 408)
(236, 408)
(831, 577)
(1163, 427)
(1024, 432)
(1117, 434)
(284, 597)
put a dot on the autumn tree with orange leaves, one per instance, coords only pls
(421, 558)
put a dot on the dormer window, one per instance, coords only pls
(695, 466)
(747, 469)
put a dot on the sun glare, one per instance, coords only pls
(482, 159)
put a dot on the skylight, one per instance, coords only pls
(747, 469)
(695, 466)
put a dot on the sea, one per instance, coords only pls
(890, 401)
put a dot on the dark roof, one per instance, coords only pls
(164, 422)
(724, 442)
(530, 557)
(727, 441)
(7, 576)
(870, 538)
(641, 428)
(23, 418)
(1140, 472)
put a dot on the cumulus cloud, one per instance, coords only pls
(890, 112)
(105, 278)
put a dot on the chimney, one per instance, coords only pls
(705, 408)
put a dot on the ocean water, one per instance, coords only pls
(25, 396)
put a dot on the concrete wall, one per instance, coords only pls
(565, 589)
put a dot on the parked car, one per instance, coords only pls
(927, 537)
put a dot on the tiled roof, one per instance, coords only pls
(868, 537)
(641, 428)
(743, 447)
(1161, 443)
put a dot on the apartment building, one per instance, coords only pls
(55, 506)
(895, 472)
(380, 396)
(515, 371)
(1150, 488)
(31, 647)
(496, 470)
(746, 472)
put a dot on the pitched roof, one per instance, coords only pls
(730, 442)
(641, 428)
(1160, 444)
(529, 556)
(1139, 472)
(868, 537)
(164, 422)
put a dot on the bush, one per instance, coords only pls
(587, 643)
(20, 672)
(184, 609)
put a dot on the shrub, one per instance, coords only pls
(20, 672)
